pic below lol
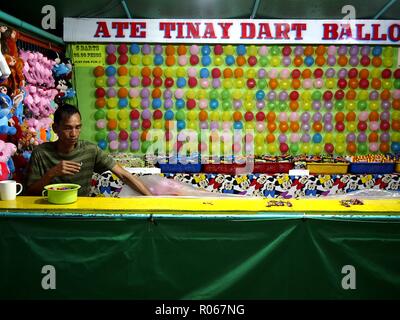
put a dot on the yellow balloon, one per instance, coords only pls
(251, 73)
(249, 105)
(134, 103)
(375, 73)
(259, 150)
(135, 59)
(218, 60)
(395, 115)
(191, 115)
(123, 124)
(239, 83)
(201, 94)
(275, 61)
(100, 82)
(340, 148)
(249, 125)
(388, 51)
(386, 84)
(284, 84)
(111, 114)
(305, 148)
(123, 114)
(169, 72)
(147, 60)
(363, 95)
(395, 136)
(351, 126)
(340, 137)
(112, 102)
(259, 138)
(252, 50)
(227, 83)
(388, 62)
(192, 125)
(248, 96)
(271, 148)
(306, 96)
(236, 94)
(214, 116)
(351, 105)
(328, 138)
(229, 50)
(134, 71)
(306, 105)
(123, 81)
(226, 116)
(190, 94)
(317, 148)
(329, 83)
(180, 72)
(374, 105)
(158, 124)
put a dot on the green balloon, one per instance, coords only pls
(99, 114)
(316, 95)
(339, 105)
(100, 135)
(226, 105)
(214, 94)
(271, 105)
(396, 83)
(180, 115)
(362, 105)
(275, 51)
(294, 148)
(362, 148)
(261, 84)
(283, 106)
(225, 94)
(145, 146)
(263, 61)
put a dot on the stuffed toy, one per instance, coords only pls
(7, 150)
(4, 68)
(16, 79)
(37, 69)
(38, 101)
(11, 36)
(6, 105)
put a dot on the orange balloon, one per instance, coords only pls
(376, 83)
(170, 50)
(237, 116)
(385, 94)
(293, 105)
(351, 116)
(373, 116)
(273, 83)
(271, 116)
(317, 126)
(298, 61)
(351, 94)
(384, 147)
(240, 60)
(157, 72)
(373, 137)
(351, 147)
(339, 117)
(271, 126)
(283, 126)
(156, 93)
(342, 61)
(182, 50)
(396, 125)
(396, 104)
(169, 124)
(376, 61)
(100, 102)
(308, 51)
(320, 61)
(122, 92)
(228, 73)
(294, 126)
(320, 50)
(270, 138)
(146, 72)
(296, 83)
(170, 61)
(122, 71)
(145, 135)
(306, 73)
(353, 83)
(112, 124)
(238, 72)
(203, 115)
(364, 74)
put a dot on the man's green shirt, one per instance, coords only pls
(92, 158)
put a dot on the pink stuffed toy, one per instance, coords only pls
(7, 150)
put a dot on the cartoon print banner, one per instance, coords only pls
(232, 31)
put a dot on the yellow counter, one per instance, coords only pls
(200, 205)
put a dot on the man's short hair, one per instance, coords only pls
(65, 111)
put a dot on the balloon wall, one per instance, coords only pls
(267, 99)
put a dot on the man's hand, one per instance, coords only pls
(64, 168)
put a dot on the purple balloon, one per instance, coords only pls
(328, 117)
(271, 95)
(214, 125)
(135, 145)
(283, 96)
(305, 117)
(354, 61)
(134, 135)
(317, 116)
(168, 103)
(342, 73)
(134, 82)
(282, 138)
(216, 83)
(112, 135)
(145, 103)
(342, 50)
(305, 127)
(237, 104)
(351, 137)
(298, 51)
(374, 95)
(385, 116)
(362, 137)
(145, 93)
(203, 125)
(260, 104)
(146, 49)
(328, 127)
(135, 124)
(365, 50)
(158, 49)
(331, 60)
(330, 73)
(111, 48)
(123, 145)
(353, 50)
(385, 104)
(146, 114)
(328, 105)
(385, 137)
(316, 104)
(111, 92)
(305, 137)
(167, 94)
(286, 61)
(262, 73)
(111, 81)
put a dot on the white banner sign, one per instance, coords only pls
(232, 31)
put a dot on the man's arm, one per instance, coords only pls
(62, 168)
(130, 180)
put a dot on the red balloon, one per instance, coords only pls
(365, 61)
(146, 124)
(397, 74)
(318, 73)
(157, 82)
(385, 125)
(216, 73)
(328, 95)
(192, 82)
(294, 95)
(218, 49)
(194, 60)
(111, 58)
(123, 135)
(296, 74)
(123, 59)
(353, 72)
(252, 61)
(146, 81)
(157, 114)
(260, 116)
(191, 103)
(363, 83)
(249, 116)
(100, 92)
(362, 126)
(342, 83)
(339, 94)
(122, 49)
(168, 82)
(340, 126)
(386, 73)
(286, 51)
(251, 83)
(329, 148)
(283, 147)
(135, 114)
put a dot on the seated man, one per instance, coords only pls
(70, 160)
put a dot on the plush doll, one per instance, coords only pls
(7, 150)
(4, 68)
(16, 79)
(6, 105)
(11, 36)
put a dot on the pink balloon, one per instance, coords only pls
(294, 116)
(307, 83)
(133, 93)
(226, 125)
(192, 72)
(182, 60)
(373, 147)
(331, 50)
(203, 103)
(263, 51)
(285, 73)
(179, 93)
(374, 125)
(295, 137)
(260, 126)
(318, 83)
(282, 116)
(273, 73)
(204, 83)
(363, 116)
(194, 49)
(396, 94)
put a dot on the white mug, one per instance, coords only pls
(8, 189)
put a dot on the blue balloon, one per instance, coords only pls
(229, 60)
(158, 59)
(241, 50)
(123, 102)
(317, 138)
(206, 50)
(156, 103)
(181, 82)
(260, 95)
(214, 104)
(180, 103)
(180, 124)
(396, 147)
(309, 61)
(206, 61)
(377, 51)
(111, 71)
(238, 125)
(168, 115)
(102, 144)
(134, 49)
(204, 73)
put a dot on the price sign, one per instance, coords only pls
(88, 54)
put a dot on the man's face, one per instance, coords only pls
(69, 129)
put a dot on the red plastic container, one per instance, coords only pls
(259, 167)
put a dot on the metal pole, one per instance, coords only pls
(128, 13)
(255, 8)
(384, 9)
